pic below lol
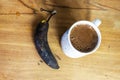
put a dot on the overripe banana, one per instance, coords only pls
(41, 43)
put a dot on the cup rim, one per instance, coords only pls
(94, 27)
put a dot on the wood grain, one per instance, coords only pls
(19, 59)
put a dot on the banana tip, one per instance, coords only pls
(55, 67)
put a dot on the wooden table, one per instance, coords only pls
(19, 59)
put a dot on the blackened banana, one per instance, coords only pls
(41, 43)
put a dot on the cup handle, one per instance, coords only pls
(97, 22)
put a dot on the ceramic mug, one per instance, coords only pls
(67, 46)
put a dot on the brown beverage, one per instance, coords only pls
(84, 38)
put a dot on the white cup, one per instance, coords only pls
(67, 46)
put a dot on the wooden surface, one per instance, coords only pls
(19, 59)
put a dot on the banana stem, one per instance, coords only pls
(53, 12)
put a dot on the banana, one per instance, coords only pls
(41, 43)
